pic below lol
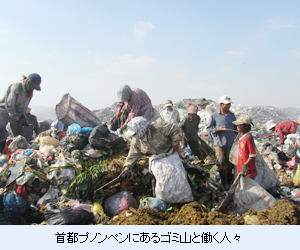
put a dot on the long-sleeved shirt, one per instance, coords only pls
(285, 128)
(190, 127)
(15, 101)
(137, 105)
(161, 136)
(170, 116)
(217, 120)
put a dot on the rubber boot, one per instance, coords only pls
(2, 146)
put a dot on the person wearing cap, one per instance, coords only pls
(283, 129)
(13, 106)
(137, 103)
(33, 126)
(247, 152)
(224, 133)
(156, 138)
(189, 131)
(169, 114)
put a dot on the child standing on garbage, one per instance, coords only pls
(247, 153)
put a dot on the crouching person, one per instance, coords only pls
(156, 138)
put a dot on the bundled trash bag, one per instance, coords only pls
(102, 138)
(154, 203)
(69, 110)
(74, 129)
(171, 178)
(250, 195)
(119, 202)
(67, 216)
(14, 202)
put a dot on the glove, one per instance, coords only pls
(244, 170)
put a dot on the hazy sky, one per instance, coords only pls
(249, 50)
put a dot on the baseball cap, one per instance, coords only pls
(225, 99)
(243, 119)
(36, 81)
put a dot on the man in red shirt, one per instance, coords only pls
(283, 129)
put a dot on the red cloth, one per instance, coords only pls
(285, 128)
(21, 190)
(246, 150)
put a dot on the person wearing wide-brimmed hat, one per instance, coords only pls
(223, 130)
(283, 129)
(247, 152)
(203, 105)
(13, 106)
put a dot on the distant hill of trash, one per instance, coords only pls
(259, 114)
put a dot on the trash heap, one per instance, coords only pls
(74, 179)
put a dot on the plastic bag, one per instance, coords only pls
(48, 140)
(74, 129)
(62, 177)
(171, 178)
(51, 194)
(67, 216)
(74, 142)
(291, 163)
(48, 150)
(154, 203)
(14, 202)
(296, 178)
(234, 151)
(119, 202)
(250, 195)
(81, 206)
(102, 138)
(18, 142)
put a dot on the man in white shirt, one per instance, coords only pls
(169, 114)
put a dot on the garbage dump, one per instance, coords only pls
(74, 179)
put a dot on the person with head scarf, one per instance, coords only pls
(224, 132)
(33, 126)
(13, 106)
(159, 137)
(135, 101)
(189, 131)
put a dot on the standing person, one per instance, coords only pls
(14, 104)
(283, 129)
(189, 131)
(247, 153)
(221, 126)
(203, 104)
(33, 126)
(136, 102)
(169, 114)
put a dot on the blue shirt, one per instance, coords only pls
(217, 120)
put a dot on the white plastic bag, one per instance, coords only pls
(234, 151)
(171, 178)
(250, 195)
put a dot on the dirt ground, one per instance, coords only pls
(282, 212)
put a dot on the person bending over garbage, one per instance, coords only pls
(155, 138)
(283, 129)
(14, 104)
(136, 102)
(247, 153)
